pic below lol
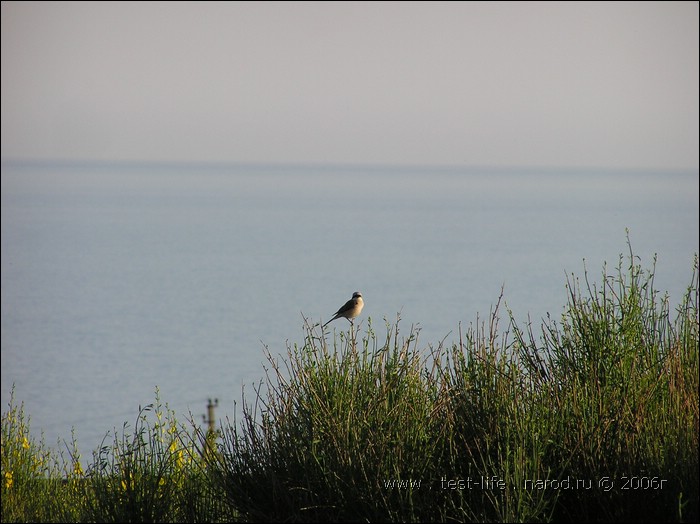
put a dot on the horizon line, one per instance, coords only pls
(338, 166)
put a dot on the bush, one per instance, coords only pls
(38, 485)
(595, 419)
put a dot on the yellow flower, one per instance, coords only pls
(25, 443)
(8, 479)
(125, 484)
(77, 469)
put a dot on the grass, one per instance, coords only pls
(592, 416)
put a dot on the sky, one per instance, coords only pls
(513, 84)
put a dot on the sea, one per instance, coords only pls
(124, 283)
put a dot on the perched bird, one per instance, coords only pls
(350, 309)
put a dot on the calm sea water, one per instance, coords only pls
(120, 279)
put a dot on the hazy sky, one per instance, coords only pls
(502, 84)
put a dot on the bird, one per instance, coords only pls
(350, 309)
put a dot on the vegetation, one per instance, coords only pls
(590, 417)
